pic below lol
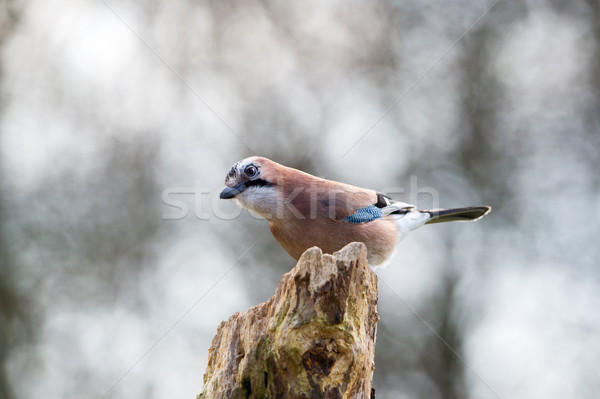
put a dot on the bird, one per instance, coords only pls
(305, 211)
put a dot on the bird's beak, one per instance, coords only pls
(230, 192)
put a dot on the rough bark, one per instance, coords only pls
(315, 338)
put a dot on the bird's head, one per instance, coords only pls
(253, 183)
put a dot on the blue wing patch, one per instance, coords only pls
(366, 214)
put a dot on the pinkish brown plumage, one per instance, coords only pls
(305, 211)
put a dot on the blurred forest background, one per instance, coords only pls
(108, 106)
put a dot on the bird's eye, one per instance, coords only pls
(251, 171)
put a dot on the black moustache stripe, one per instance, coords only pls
(257, 182)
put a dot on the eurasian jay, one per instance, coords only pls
(305, 211)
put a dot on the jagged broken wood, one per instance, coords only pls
(315, 338)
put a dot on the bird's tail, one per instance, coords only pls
(457, 214)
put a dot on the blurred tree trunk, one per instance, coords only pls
(315, 338)
(14, 317)
(591, 115)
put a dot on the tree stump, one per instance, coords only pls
(314, 339)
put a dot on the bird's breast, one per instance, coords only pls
(297, 235)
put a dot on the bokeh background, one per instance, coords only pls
(114, 111)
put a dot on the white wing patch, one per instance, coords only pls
(396, 206)
(406, 222)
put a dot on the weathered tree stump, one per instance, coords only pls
(314, 339)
